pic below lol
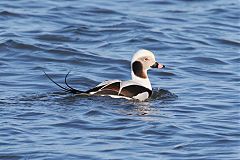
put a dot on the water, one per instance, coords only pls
(193, 114)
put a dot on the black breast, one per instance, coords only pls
(133, 90)
(138, 69)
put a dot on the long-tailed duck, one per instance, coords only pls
(139, 87)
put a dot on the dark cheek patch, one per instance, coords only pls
(138, 69)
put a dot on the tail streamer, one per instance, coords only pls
(68, 89)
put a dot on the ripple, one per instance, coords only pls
(200, 71)
(94, 113)
(29, 116)
(160, 2)
(55, 38)
(236, 60)
(168, 74)
(10, 14)
(176, 19)
(226, 42)
(129, 25)
(103, 11)
(72, 124)
(123, 121)
(153, 132)
(20, 45)
(163, 94)
(12, 130)
(10, 157)
(2, 63)
(207, 60)
(81, 29)
(65, 52)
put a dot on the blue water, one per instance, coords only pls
(193, 114)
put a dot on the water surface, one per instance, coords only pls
(193, 114)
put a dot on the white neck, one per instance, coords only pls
(143, 81)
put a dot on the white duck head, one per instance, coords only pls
(142, 61)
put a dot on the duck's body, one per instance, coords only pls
(139, 87)
(117, 89)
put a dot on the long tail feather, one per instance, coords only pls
(73, 90)
(69, 89)
(65, 89)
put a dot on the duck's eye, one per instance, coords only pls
(146, 59)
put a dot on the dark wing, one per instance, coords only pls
(95, 89)
(110, 89)
(134, 90)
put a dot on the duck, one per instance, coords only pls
(137, 88)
